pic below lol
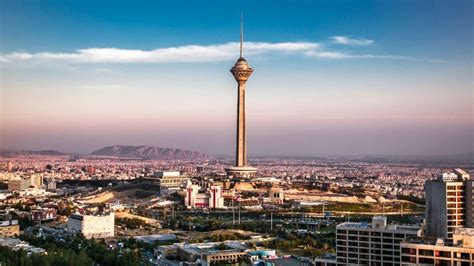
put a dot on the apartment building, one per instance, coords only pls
(458, 251)
(376, 243)
(449, 203)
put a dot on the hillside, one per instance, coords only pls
(148, 152)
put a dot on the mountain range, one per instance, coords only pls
(148, 152)
(10, 152)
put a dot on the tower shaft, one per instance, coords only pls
(241, 145)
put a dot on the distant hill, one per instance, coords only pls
(448, 157)
(148, 152)
(9, 152)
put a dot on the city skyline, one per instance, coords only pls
(134, 75)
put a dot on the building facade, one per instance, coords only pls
(168, 181)
(44, 214)
(458, 251)
(469, 203)
(371, 244)
(216, 201)
(37, 181)
(92, 226)
(18, 184)
(449, 203)
(276, 195)
(212, 198)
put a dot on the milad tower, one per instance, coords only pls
(241, 71)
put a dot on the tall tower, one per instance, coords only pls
(241, 71)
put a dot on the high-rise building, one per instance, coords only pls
(371, 244)
(449, 203)
(241, 72)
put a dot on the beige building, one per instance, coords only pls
(92, 226)
(276, 195)
(9, 228)
(168, 181)
(458, 251)
(371, 244)
(449, 203)
(18, 184)
(37, 181)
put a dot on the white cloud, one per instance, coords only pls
(187, 53)
(341, 55)
(326, 54)
(196, 53)
(351, 41)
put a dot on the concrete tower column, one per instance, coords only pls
(241, 145)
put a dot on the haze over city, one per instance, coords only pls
(336, 78)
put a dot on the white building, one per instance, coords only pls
(216, 201)
(211, 199)
(191, 193)
(92, 226)
(167, 173)
(371, 244)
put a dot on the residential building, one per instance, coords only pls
(457, 251)
(371, 244)
(449, 203)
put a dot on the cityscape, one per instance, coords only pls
(123, 153)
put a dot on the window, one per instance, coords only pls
(426, 252)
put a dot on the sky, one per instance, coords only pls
(330, 77)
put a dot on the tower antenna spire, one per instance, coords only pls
(241, 33)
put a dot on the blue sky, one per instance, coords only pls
(331, 77)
